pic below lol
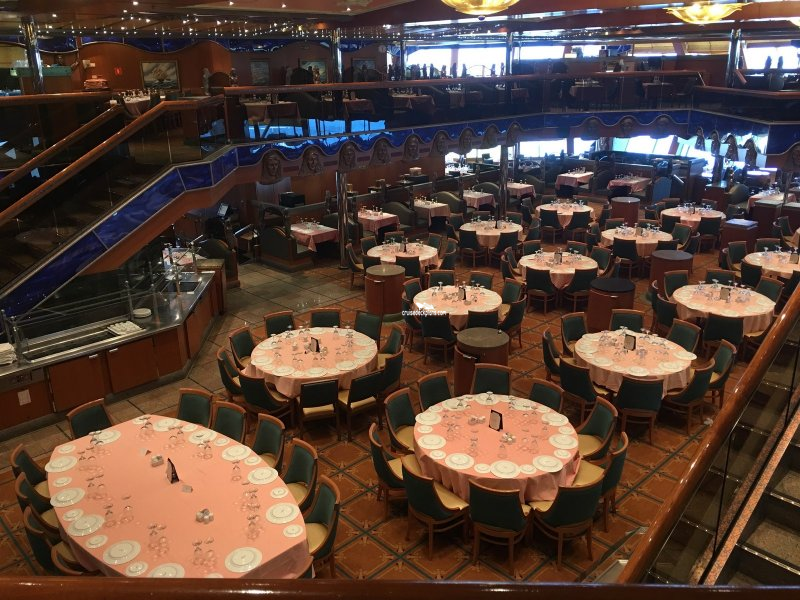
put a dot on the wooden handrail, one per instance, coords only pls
(782, 95)
(130, 588)
(673, 508)
(65, 98)
(47, 154)
(101, 149)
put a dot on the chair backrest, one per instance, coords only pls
(576, 380)
(632, 320)
(409, 318)
(368, 324)
(550, 352)
(37, 540)
(579, 247)
(270, 437)
(380, 459)
(723, 359)
(229, 419)
(709, 225)
(613, 223)
(666, 311)
(549, 219)
(721, 276)
(622, 248)
(434, 388)
(508, 239)
(616, 462)
(574, 505)
(602, 256)
(443, 276)
(257, 394)
(512, 291)
(681, 233)
(302, 466)
(399, 412)
(194, 406)
(325, 511)
(686, 335)
(766, 244)
(491, 378)
(640, 394)
(279, 322)
(394, 236)
(370, 261)
(411, 265)
(392, 371)
(88, 417)
(394, 341)
(481, 318)
(505, 267)
(751, 274)
(436, 326)
(698, 385)
(539, 279)
(352, 260)
(325, 317)
(531, 247)
(481, 278)
(771, 288)
(318, 393)
(674, 280)
(228, 373)
(546, 393)
(468, 239)
(500, 509)
(737, 250)
(514, 217)
(411, 288)
(667, 245)
(573, 327)
(582, 280)
(365, 386)
(367, 243)
(422, 496)
(668, 222)
(22, 462)
(242, 343)
(508, 253)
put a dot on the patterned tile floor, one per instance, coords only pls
(369, 546)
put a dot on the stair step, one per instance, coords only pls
(745, 447)
(748, 567)
(676, 559)
(786, 480)
(772, 530)
(704, 507)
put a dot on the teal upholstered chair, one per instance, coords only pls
(433, 389)
(89, 417)
(321, 522)
(269, 440)
(400, 420)
(229, 419)
(691, 397)
(639, 400)
(491, 378)
(301, 472)
(546, 393)
(194, 406)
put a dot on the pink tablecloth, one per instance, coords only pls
(475, 199)
(431, 300)
(374, 221)
(388, 253)
(637, 184)
(488, 234)
(644, 245)
(311, 235)
(565, 211)
(773, 263)
(296, 367)
(543, 455)
(692, 219)
(769, 196)
(518, 189)
(694, 301)
(573, 179)
(561, 275)
(426, 210)
(98, 526)
(608, 361)
(796, 238)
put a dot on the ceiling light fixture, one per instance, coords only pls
(703, 13)
(480, 7)
(795, 21)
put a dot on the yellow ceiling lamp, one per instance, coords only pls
(795, 21)
(480, 7)
(703, 13)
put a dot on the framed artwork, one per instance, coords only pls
(259, 71)
(162, 75)
(318, 69)
(359, 63)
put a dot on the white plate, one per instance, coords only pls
(638, 371)
(317, 330)
(279, 492)
(136, 568)
(283, 512)
(602, 361)
(363, 353)
(96, 541)
(438, 454)
(168, 570)
(436, 408)
(485, 400)
(563, 440)
(85, 525)
(566, 429)
(121, 552)
(61, 464)
(684, 355)
(292, 531)
(67, 497)
(345, 365)
(428, 418)
(284, 370)
(108, 435)
(363, 341)
(555, 419)
(528, 469)
(548, 464)
(424, 428)
(188, 428)
(457, 460)
(482, 468)
(202, 436)
(453, 404)
(73, 514)
(670, 366)
(298, 373)
(522, 404)
(431, 441)
(561, 453)
(66, 448)
(505, 469)
(141, 419)
(316, 371)
(586, 347)
(165, 424)
(252, 460)
(62, 481)
(142, 313)
(221, 441)
(214, 576)
(243, 560)
(541, 408)
(262, 475)
(235, 453)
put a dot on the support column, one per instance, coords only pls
(509, 55)
(341, 205)
(32, 53)
(734, 52)
(501, 210)
(336, 55)
(402, 59)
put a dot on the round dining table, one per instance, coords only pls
(774, 263)
(445, 299)
(560, 274)
(534, 452)
(565, 210)
(698, 301)
(224, 513)
(488, 232)
(646, 241)
(691, 217)
(290, 359)
(388, 253)
(653, 357)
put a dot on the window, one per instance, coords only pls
(541, 52)
(755, 57)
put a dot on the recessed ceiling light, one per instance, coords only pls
(54, 15)
(283, 4)
(136, 2)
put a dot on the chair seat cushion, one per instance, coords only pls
(358, 404)
(382, 359)
(42, 489)
(316, 534)
(503, 311)
(50, 518)
(277, 395)
(526, 509)
(269, 458)
(66, 553)
(541, 505)
(405, 435)
(327, 410)
(298, 490)
(587, 473)
(715, 377)
(396, 465)
(601, 391)
(448, 498)
(244, 361)
(588, 444)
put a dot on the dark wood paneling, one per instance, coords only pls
(14, 413)
(80, 380)
(132, 365)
